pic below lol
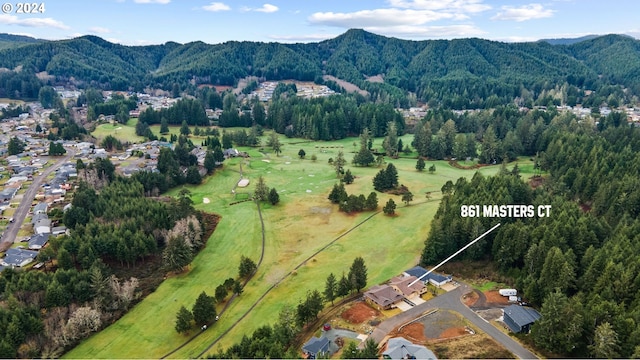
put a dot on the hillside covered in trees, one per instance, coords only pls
(461, 73)
(578, 265)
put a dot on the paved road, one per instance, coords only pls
(10, 235)
(451, 301)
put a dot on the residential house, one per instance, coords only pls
(383, 297)
(519, 318)
(18, 257)
(38, 217)
(433, 278)
(316, 347)
(401, 348)
(229, 153)
(36, 242)
(59, 230)
(8, 193)
(403, 285)
(40, 208)
(42, 226)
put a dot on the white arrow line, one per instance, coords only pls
(456, 253)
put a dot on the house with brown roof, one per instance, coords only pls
(383, 297)
(402, 285)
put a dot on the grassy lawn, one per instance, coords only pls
(125, 133)
(11, 101)
(303, 223)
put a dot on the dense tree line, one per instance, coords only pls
(330, 118)
(352, 203)
(573, 264)
(189, 110)
(51, 311)
(19, 85)
(492, 136)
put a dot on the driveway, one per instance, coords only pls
(451, 301)
(11, 233)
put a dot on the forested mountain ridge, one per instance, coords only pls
(440, 69)
(10, 40)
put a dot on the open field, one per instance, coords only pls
(125, 133)
(11, 101)
(303, 223)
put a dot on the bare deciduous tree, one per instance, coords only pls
(82, 322)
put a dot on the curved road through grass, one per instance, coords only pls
(234, 296)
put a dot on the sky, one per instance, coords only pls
(143, 22)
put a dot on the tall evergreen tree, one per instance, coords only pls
(330, 288)
(358, 274)
(204, 309)
(183, 320)
(390, 142)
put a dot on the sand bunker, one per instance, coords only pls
(206, 200)
(243, 183)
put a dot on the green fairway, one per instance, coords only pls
(303, 223)
(124, 133)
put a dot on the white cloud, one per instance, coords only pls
(267, 8)
(216, 6)
(523, 13)
(99, 30)
(32, 22)
(381, 18)
(464, 6)
(302, 38)
(151, 1)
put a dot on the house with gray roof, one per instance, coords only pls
(18, 257)
(519, 318)
(433, 278)
(8, 193)
(40, 208)
(38, 217)
(42, 226)
(401, 348)
(316, 347)
(36, 242)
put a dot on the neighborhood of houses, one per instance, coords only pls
(305, 89)
(403, 292)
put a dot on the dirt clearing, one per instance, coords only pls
(414, 333)
(359, 313)
(494, 297)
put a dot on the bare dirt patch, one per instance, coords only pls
(494, 298)
(536, 181)
(349, 87)
(359, 313)
(453, 332)
(413, 332)
(470, 298)
(376, 79)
